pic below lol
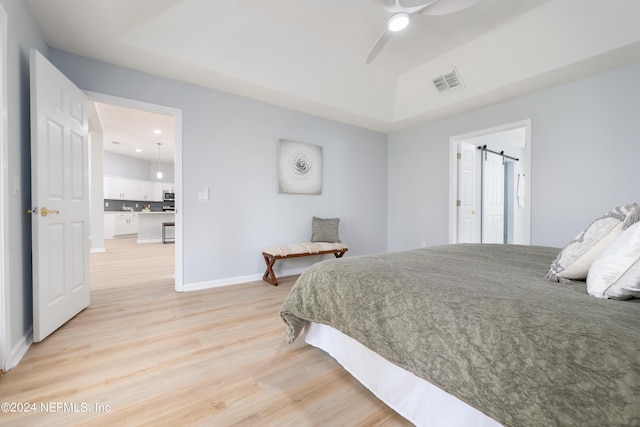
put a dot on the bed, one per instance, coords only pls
(479, 326)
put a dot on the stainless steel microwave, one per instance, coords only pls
(168, 195)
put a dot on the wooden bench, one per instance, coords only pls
(275, 252)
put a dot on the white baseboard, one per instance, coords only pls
(19, 350)
(98, 250)
(198, 286)
(151, 241)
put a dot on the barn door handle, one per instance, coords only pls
(45, 212)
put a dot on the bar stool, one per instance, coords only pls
(164, 232)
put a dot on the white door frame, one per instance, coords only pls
(4, 195)
(453, 175)
(177, 114)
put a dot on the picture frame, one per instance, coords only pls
(299, 168)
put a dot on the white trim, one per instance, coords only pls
(177, 114)
(209, 284)
(151, 241)
(20, 349)
(98, 250)
(453, 175)
(5, 324)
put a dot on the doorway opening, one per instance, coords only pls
(136, 180)
(490, 185)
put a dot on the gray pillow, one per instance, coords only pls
(325, 230)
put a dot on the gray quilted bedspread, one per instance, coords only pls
(482, 323)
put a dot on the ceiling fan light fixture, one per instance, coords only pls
(398, 22)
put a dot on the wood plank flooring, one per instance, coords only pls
(142, 354)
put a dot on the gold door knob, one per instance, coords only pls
(473, 212)
(45, 212)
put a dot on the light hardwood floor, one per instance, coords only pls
(142, 354)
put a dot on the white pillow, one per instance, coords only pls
(616, 273)
(574, 261)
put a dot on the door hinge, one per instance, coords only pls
(459, 155)
(458, 204)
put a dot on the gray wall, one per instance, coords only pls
(230, 146)
(122, 166)
(22, 35)
(585, 157)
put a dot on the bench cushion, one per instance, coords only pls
(303, 248)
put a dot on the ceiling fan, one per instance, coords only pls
(404, 10)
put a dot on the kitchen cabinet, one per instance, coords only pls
(118, 188)
(108, 227)
(144, 191)
(125, 224)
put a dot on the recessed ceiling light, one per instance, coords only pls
(138, 150)
(157, 131)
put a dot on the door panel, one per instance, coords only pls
(493, 199)
(468, 225)
(78, 170)
(60, 197)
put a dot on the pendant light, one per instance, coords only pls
(159, 173)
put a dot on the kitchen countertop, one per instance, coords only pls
(171, 213)
(140, 212)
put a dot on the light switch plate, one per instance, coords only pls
(204, 195)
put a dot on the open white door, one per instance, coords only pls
(468, 220)
(60, 197)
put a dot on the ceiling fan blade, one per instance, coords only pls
(392, 6)
(377, 47)
(395, 6)
(445, 7)
(420, 8)
(426, 7)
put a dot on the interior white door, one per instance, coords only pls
(468, 218)
(492, 198)
(60, 197)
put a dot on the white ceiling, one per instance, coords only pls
(133, 133)
(309, 54)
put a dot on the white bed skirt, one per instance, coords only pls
(415, 399)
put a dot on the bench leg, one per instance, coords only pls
(339, 254)
(269, 275)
